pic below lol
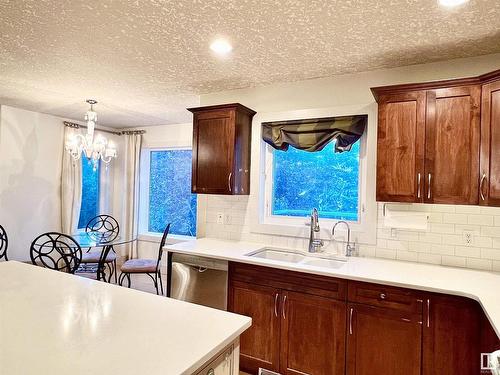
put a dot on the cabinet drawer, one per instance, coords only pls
(324, 286)
(405, 300)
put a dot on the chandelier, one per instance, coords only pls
(94, 148)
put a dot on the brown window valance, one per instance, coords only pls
(314, 134)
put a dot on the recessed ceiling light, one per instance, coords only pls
(221, 47)
(452, 3)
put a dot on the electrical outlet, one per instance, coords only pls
(394, 233)
(220, 218)
(468, 237)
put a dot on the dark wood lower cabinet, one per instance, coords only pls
(383, 341)
(316, 325)
(260, 344)
(312, 335)
(451, 336)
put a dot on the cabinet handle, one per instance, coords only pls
(276, 305)
(229, 181)
(481, 186)
(284, 307)
(429, 187)
(418, 185)
(350, 320)
(428, 312)
(382, 295)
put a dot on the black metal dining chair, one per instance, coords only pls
(150, 267)
(56, 251)
(4, 243)
(102, 228)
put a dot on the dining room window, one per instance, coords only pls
(166, 192)
(90, 191)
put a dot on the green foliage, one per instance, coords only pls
(90, 192)
(326, 180)
(170, 197)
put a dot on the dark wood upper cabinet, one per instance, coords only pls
(437, 140)
(400, 147)
(452, 145)
(221, 149)
(490, 145)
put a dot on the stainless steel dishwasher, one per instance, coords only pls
(199, 280)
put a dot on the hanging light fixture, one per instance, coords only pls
(94, 149)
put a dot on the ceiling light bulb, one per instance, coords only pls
(221, 47)
(452, 3)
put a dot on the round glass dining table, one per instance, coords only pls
(105, 244)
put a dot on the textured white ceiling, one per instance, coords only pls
(145, 61)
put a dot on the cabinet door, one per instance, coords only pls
(213, 150)
(312, 335)
(451, 336)
(490, 145)
(259, 345)
(400, 147)
(383, 341)
(452, 145)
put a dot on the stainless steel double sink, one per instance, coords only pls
(299, 257)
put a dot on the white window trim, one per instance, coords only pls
(144, 234)
(364, 231)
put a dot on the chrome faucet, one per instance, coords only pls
(315, 243)
(349, 249)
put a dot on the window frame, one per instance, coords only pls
(365, 229)
(144, 179)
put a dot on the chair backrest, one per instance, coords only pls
(4, 243)
(103, 228)
(162, 243)
(56, 251)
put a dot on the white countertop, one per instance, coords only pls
(479, 285)
(51, 322)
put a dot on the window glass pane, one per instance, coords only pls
(90, 192)
(170, 197)
(328, 181)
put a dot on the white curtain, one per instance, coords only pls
(71, 189)
(131, 191)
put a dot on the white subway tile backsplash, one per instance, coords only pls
(455, 218)
(480, 219)
(493, 254)
(453, 261)
(481, 264)
(466, 251)
(442, 243)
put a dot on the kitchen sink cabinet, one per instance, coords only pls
(221, 149)
(438, 141)
(309, 324)
(297, 327)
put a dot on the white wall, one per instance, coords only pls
(442, 243)
(31, 146)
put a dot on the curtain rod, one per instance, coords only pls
(78, 126)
